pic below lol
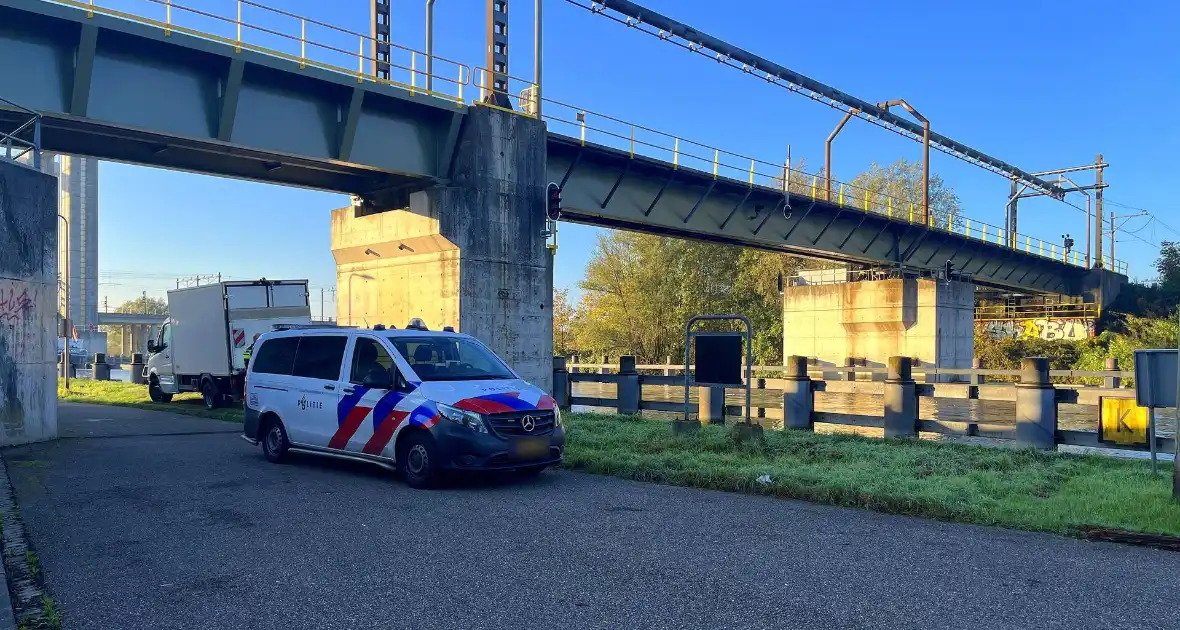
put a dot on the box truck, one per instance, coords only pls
(201, 345)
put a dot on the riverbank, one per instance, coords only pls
(1074, 495)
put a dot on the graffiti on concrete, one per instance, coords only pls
(16, 302)
(1049, 329)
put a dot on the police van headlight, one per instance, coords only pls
(469, 419)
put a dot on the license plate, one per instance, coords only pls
(531, 448)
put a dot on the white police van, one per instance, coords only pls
(418, 401)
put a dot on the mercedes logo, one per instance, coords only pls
(528, 423)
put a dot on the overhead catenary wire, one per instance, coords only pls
(694, 41)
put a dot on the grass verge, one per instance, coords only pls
(1022, 489)
(125, 394)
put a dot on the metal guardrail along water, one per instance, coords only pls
(23, 142)
(347, 50)
(1036, 426)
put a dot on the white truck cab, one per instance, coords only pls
(419, 401)
(201, 345)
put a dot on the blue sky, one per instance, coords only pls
(1038, 84)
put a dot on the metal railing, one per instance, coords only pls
(798, 395)
(23, 142)
(599, 128)
(327, 46)
(999, 312)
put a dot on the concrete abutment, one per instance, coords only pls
(468, 253)
(28, 304)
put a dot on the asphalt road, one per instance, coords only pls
(148, 520)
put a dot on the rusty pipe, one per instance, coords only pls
(925, 152)
(828, 153)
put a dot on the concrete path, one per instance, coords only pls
(137, 529)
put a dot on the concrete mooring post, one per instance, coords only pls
(627, 390)
(976, 364)
(561, 384)
(136, 368)
(1036, 405)
(1112, 382)
(798, 399)
(102, 371)
(711, 404)
(901, 399)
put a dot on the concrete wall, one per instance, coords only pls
(28, 305)
(928, 320)
(468, 254)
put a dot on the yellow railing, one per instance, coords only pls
(994, 312)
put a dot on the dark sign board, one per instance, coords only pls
(718, 359)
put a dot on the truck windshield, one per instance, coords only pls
(447, 358)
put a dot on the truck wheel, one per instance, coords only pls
(210, 395)
(274, 441)
(416, 461)
(157, 394)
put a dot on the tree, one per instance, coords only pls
(1168, 266)
(902, 182)
(563, 324)
(144, 305)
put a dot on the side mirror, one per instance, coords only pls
(152, 348)
(378, 379)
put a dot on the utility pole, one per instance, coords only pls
(1098, 213)
(1114, 230)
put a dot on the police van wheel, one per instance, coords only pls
(274, 442)
(210, 395)
(416, 461)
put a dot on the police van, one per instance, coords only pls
(417, 401)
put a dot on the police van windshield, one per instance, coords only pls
(450, 359)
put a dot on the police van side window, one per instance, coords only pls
(276, 356)
(320, 356)
(369, 357)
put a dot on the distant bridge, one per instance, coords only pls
(130, 319)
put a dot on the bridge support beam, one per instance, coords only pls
(929, 321)
(469, 254)
(28, 305)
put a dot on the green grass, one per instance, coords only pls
(1023, 489)
(125, 394)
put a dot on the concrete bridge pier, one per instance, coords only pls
(867, 322)
(467, 253)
